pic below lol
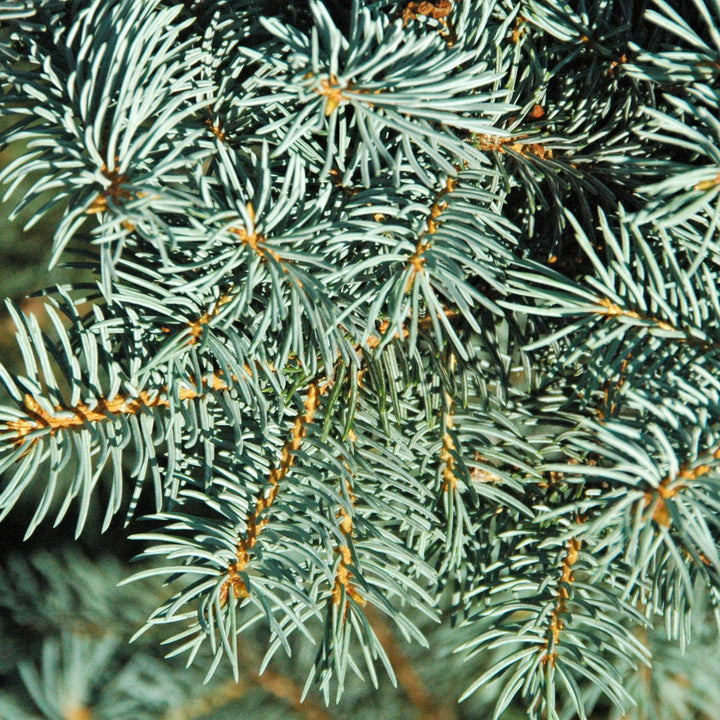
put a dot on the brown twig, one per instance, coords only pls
(426, 706)
(114, 191)
(284, 688)
(495, 143)
(439, 10)
(333, 93)
(78, 713)
(197, 326)
(613, 310)
(216, 130)
(423, 323)
(519, 29)
(669, 487)
(416, 261)
(343, 574)
(610, 309)
(81, 414)
(258, 519)
(253, 239)
(281, 687)
(567, 577)
(448, 447)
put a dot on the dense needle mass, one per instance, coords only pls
(396, 313)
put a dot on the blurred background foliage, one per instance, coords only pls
(23, 257)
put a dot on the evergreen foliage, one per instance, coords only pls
(390, 313)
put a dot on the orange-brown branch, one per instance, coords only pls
(426, 706)
(446, 456)
(258, 519)
(439, 10)
(197, 326)
(668, 488)
(614, 388)
(220, 696)
(708, 184)
(78, 713)
(613, 310)
(336, 180)
(567, 577)
(286, 689)
(481, 475)
(342, 579)
(519, 29)
(343, 574)
(216, 130)
(494, 143)
(332, 91)
(115, 191)
(416, 261)
(81, 414)
(253, 239)
(448, 447)
(374, 340)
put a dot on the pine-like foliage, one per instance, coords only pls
(397, 312)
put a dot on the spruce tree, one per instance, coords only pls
(390, 322)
